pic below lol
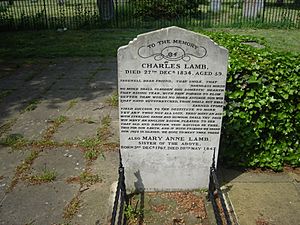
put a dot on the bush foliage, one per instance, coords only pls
(166, 9)
(261, 125)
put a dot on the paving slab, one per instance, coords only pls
(72, 131)
(62, 96)
(66, 162)
(114, 129)
(37, 204)
(95, 206)
(33, 124)
(107, 167)
(271, 203)
(9, 84)
(12, 105)
(29, 129)
(88, 109)
(113, 112)
(27, 70)
(10, 159)
(42, 81)
(96, 203)
(70, 84)
(105, 79)
(235, 176)
(82, 70)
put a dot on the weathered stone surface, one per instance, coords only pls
(90, 109)
(95, 206)
(10, 159)
(72, 131)
(38, 204)
(107, 167)
(171, 87)
(235, 176)
(97, 200)
(66, 162)
(269, 202)
(105, 79)
(67, 84)
(33, 124)
(16, 102)
(57, 85)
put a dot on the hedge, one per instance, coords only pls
(261, 123)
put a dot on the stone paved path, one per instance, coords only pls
(263, 198)
(59, 158)
(59, 139)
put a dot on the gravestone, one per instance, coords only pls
(171, 94)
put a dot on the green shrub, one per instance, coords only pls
(167, 9)
(156, 9)
(261, 125)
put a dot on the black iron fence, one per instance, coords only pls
(76, 14)
(216, 198)
(121, 199)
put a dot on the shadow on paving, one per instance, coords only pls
(59, 140)
(54, 81)
(263, 197)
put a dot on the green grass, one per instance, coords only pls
(72, 103)
(113, 99)
(14, 141)
(104, 43)
(87, 177)
(45, 176)
(32, 105)
(50, 44)
(277, 39)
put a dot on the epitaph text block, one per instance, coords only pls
(171, 96)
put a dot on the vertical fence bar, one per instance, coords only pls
(50, 13)
(45, 12)
(117, 14)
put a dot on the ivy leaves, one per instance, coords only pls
(261, 124)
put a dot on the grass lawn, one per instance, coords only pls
(104, 43)
(280, 40)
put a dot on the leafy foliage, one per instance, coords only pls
(167, 9)
(261, 125)
(159, 9)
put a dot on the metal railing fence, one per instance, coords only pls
(78, 14)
